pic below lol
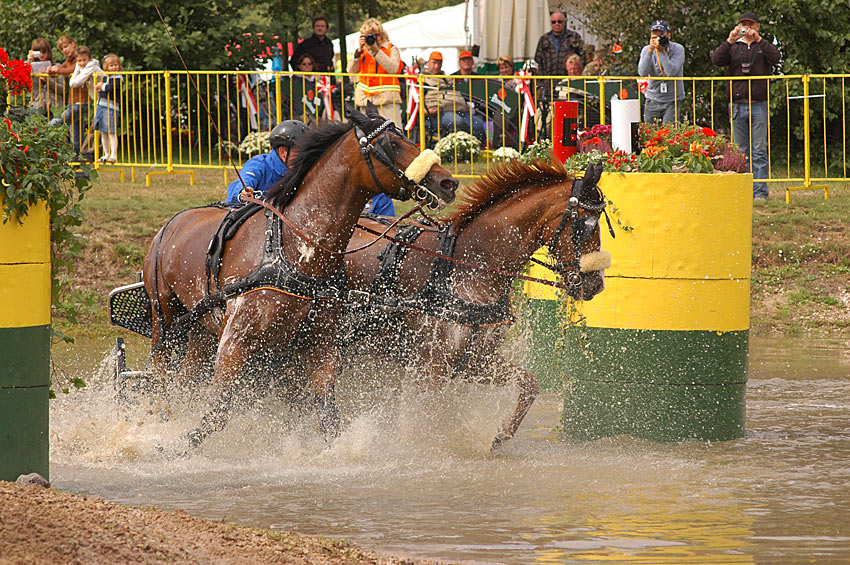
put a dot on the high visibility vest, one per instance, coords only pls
(377, 84)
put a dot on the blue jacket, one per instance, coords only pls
(260, 173)
(380, 204)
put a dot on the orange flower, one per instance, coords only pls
(696, 148)
(654, 150)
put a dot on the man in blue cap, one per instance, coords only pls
(662, 58)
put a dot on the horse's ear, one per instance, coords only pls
(372, 110)
(356, 117)
(592, 175)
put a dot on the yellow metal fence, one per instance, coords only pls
(177, 121)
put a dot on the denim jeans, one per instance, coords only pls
(667, 112)
(77, 117)
(758, 140)
(451, 122)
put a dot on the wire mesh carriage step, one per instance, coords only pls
(130, 308)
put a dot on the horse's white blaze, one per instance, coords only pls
(420, 166)
(597, 261)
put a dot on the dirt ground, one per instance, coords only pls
(40, 525)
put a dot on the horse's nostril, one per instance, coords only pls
(449, 184)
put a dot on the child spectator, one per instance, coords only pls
(108, 111)
(82, 92)
(48, 91)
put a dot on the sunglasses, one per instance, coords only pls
(558, 21)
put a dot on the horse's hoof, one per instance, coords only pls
(500, 438)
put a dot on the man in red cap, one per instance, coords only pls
(466, 64)
(747, 53)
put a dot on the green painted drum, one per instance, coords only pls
(24, 345)
(662, 351)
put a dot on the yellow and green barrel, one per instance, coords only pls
(661, 353)
(25, 296)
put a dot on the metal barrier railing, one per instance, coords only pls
(172, 122)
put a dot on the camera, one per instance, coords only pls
(36, 54)
(371, 39)
(663, 41)
(743, 30)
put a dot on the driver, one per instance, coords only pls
(261, 172)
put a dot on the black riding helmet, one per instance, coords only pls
(286, 134)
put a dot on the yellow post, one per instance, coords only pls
(421, 81)
(168, 140)
(601, 101)
(807, 165)
(278, 106)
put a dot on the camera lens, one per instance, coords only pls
(371, 39)
(663, 41)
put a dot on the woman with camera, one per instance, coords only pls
(47, 91)
(375, 58)
(662, 58)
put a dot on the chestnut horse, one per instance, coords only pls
(448, 320)
(338, 168)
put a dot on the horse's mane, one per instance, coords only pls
(502, 181)
(311, 146)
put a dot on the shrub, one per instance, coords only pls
(459, 146)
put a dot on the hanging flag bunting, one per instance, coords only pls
(412, 96)
(325, 88)
(243, 84)
(524, 90)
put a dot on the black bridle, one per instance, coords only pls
(382, 151)
(581, 229)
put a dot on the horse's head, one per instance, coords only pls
(576, 245)
(401, 171)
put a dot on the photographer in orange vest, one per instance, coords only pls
(377, 56)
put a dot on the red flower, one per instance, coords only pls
(708, 132)
(4, 57)
(689, 133)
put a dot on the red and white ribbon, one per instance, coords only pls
(325, 88)
(412, 96)
(523, 89)
(243, 84)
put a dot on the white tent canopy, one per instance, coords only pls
(416, 35)
(510, 27)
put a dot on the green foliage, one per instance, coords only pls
(34, 167)
(133, 30)
(538, 150)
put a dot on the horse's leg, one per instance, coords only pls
(529, 388)
(197, 364)
(322, 365)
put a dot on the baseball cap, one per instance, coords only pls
(660, 25)
(748, 16)
(436, 55)
(464, 55)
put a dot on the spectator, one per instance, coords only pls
(261, 172)
(747, 53)
(506, 68)
(108, 111)
(466, 65)
(554, 46)
(306, 64)
(68, 47)
(47, 91)
(445, 105)
(662, 58)
(377, 56)
(82, 92)
(573, 65)
(318, 46)
(597, 66)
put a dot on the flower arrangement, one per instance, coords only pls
(255, 143)
(17, 74)
(680, 148)
(541, 149)
(505, 154)
(460, 146)
(596, 138)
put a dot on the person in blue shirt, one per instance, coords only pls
(261, 172)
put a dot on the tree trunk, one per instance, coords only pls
(340, 16)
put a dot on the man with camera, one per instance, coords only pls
(662, 58)
(747, 53)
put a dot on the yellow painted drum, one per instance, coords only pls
(663, 352)
(24, 344)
